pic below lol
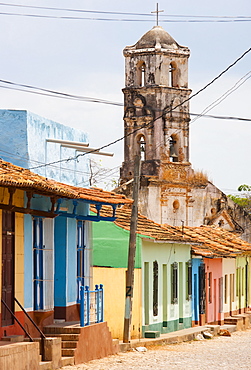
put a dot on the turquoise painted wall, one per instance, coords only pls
(110, 246)
(71, 260)
(170, 316)
(60, 245)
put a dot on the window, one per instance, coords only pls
(81, 257)
(43, 263)
(155, 287)
(210, 287)
(226, 289)
(221, 294)
(202, 290)
(188, 280)
(237, 281)
(174, 282)
(242, 280)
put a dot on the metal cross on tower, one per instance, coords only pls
(157, 11)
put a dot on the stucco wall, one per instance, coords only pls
(229, 279)
(165, 255)
(113, 280)
(23, 142)
(213, 266)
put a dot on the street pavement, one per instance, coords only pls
(218, 353)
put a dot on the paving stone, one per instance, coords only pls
(229, 353)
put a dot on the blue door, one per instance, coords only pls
(38, 263)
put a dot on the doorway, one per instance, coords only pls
(8, 265)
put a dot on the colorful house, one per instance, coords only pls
(36, 141)
(45, 246)
(162, 284)
(221, 275)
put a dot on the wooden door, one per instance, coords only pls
(8, 265)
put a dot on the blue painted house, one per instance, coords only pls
(57, 247)
(51, 243)
(31, 141)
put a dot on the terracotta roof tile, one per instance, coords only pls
(21, 178)
(217, 242)
(145, 226)
(206, 241)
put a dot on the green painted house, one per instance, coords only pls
(162, 283)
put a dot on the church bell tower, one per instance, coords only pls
(156, 121)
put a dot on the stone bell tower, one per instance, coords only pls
(156, 122)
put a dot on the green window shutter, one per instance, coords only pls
(188, 280)
(174, 282)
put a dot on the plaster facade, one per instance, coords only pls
(26, 134)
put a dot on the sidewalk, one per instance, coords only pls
(179, 336)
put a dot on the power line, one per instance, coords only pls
(59, 94)
(119, 13)
(169, 111)
(123, 19)
(63, 95)
(236, 86)
(241, 17)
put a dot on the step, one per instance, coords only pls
(69, 344)
(61, 330)
(238, 321)
(246, 319)
(152, 334)
(65, 337)
(68, 352)
(67, 361)
(45, 365)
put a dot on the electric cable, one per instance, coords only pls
(118, 13)
(236, 86)
(168, 111)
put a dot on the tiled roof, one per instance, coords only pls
(21, 178)
(206, 241)
(217, 242)
(145, 226)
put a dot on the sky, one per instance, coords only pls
(85, 57)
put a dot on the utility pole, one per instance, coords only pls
(131, 252)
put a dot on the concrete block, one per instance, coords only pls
(214, 329)
(52, 351)
(13, 338)
(68, 361)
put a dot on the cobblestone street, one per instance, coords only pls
(218, 353)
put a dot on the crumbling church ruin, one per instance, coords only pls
(156, 123)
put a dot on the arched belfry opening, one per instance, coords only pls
(141, 74)
(141, 141)
(173, 80)
(173, 149)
